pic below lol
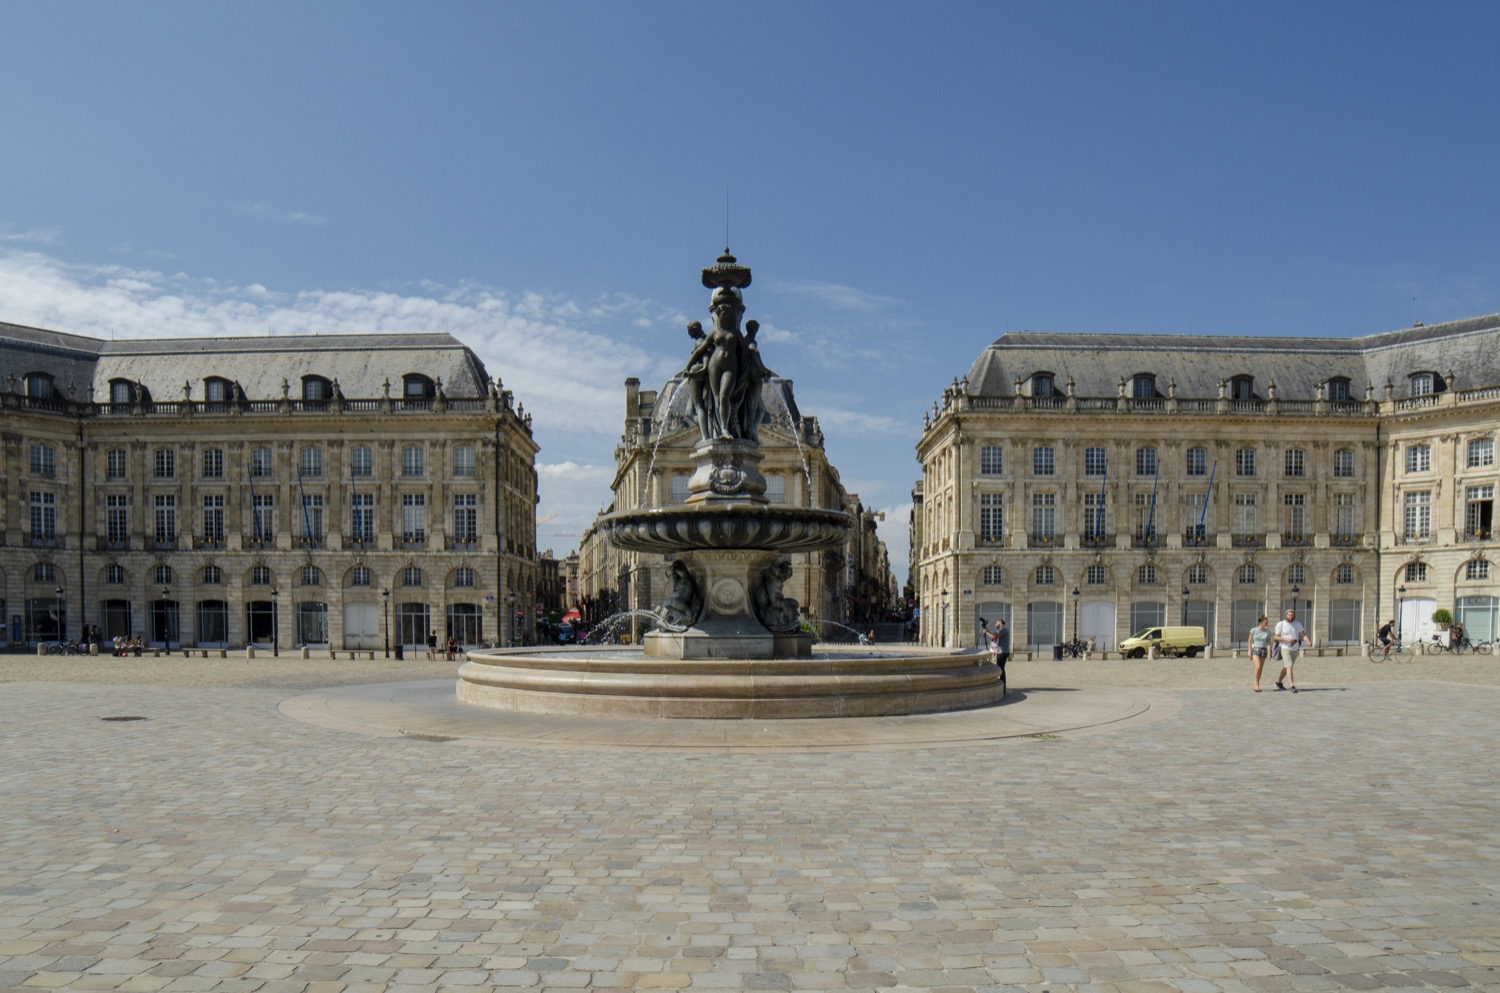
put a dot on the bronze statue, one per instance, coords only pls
(724, 373)
(778, 613)
(680, 610)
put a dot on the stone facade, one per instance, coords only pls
(333, 491)
(1101, 483)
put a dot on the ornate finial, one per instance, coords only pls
(726, 273)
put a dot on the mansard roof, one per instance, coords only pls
(1096, 363)
(361, 363)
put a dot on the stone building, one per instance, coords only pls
(332, 491)
(1102, 483)
(652, 465)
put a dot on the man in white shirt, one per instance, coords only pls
(1291, 636)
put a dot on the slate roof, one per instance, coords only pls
(360, 362)
(1470, 348)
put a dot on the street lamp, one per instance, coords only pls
(1184, 606)
(1400, 608)
(385, 595)
(275, 623)
(510, 599)
(62, 621)
(943, 634)
(166, 627)
(1295, 590)
(1075, 615)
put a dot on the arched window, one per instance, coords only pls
(121, 391)
(217, 391)
(463, 576)
(312, 576)
(1143, 386)
(416, 388)
(411, 576)
(1246, 574)
(993, 575)
(114, 574)
(1043, 384)
(1338, 389)
(163, 574)
(1242, 388)
(1344, 575)
(212, 576)
(1197, 575)
(1096, 575)
(260, 576)
(316, 388)
(1146, 575)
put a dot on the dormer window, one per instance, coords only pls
(1338, 389)
(1043, 385)
(39, 386)
(416, 386)
(121, 391)
(1242, 388)
(1426, 384)
(1143, 386)
(316, 388)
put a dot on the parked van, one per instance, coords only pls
(1187, 641)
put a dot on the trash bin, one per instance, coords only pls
(1057, 653)
(400, 652)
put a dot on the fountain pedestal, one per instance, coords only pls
(728, 627)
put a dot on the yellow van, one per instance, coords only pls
(1187, 641)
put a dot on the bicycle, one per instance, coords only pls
(1379, 652)
(1074, 649)
(63, 648)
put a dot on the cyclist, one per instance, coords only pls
(1456, 639)
(1387, 635)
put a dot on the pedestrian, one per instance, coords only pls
(1088, 652)
(1002, 646)
(1290, 636)
(990, 642)
(1258, 646)
(452, 648)
(870, 638)
(432, 643)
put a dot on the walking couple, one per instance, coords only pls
(1282, 644)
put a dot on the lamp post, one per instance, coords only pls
(62, 621)
(510, 599)
(1400, 608)
(1295, 590)
(1184, 606)
(489, 598)
(943, 635)
(166, 628)
(385, 595)
(275, 623)
(1075, 617)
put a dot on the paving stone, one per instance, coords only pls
(1235, 845)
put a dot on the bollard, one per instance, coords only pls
(1208, 650)
(93, 648)
(41, 649)
(1151, 652)
(249, 651)
(304, 652)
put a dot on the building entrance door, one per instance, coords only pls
(361, 626)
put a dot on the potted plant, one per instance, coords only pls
(1442, 618)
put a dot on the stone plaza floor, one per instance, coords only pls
(1113, 826)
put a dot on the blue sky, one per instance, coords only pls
(908, 182)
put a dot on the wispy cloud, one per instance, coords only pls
(30, 236)
(837, 296)
(271, 212)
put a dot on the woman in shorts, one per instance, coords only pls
(1258, 645)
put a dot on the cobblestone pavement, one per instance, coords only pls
(1344, 838)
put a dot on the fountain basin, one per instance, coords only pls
(629, 683)
(726, 525)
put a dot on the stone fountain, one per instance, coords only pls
(727, 641)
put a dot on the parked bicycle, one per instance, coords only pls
(1380, 652)
(1074, 649)
(65, 648)
(1462, 645)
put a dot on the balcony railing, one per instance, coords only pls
(1196, 538)
(1295, 539)
(354, 542)
(1414, 538)
(116, 543)
(1146, 538)
(462, 544)
(261, 541)
(1098, 540)
(161, 542)
(1475, 534)
(414, 540)
(214, 541)
(1342, 540)
(308, 541)
(48, 541)
(1044, 541)
(1249, 541)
